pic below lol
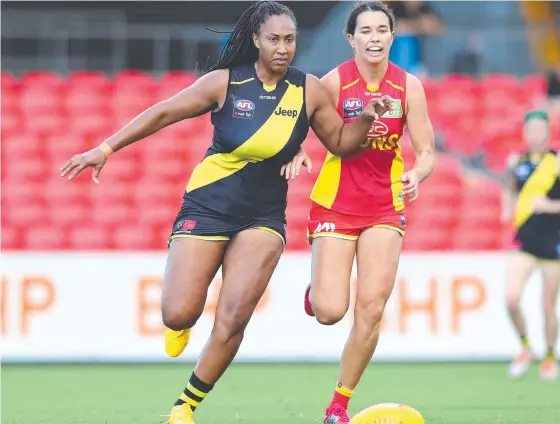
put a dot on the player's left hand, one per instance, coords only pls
(410, 182)
(292, 168)
(543, 205)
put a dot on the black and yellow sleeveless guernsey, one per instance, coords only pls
(536, 175)
(238, 185)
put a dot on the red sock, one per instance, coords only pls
(341, 395)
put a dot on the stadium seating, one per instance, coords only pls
(47, 118)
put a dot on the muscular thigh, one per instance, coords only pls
(191, 267)
(378, 256)
(331, 269)
(248, 264)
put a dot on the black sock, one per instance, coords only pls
(195, 392)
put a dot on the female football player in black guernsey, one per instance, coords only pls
(233, 212)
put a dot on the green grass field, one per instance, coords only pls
(272, 394)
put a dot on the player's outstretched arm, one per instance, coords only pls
(339, 138)
(201, 97)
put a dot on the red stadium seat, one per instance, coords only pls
(81, 100)
(473, 237)
(133, 237)
(109, 192)
(173, 82)
(11, 123)
(153, 215)
(130, 80)
(40, 100)
(146, 192)
(45, 237)
(42, 79)
(69, 214)
(113, 215)
(88, 124)
(90, 238)
(28, 214)
(420, 238)
(49, 123)
(88, 79)
(12, 238)
(60, 193)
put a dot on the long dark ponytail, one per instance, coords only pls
(240, 48)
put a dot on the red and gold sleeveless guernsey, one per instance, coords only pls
(362, 191)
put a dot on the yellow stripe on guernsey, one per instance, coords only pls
(539, 184)
(269, 139)
(326, 187)
(397, 169)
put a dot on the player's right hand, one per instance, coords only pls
(378, 107)
(94, 158)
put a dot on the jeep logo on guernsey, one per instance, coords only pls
(378, 129)
(283, 112)
(352, 107)
(243, 109)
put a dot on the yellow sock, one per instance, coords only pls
(194, 393)
(341, 395)
(550, 354)
(525, 342)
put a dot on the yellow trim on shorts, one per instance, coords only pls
(207, 238)
(390, 227)
(270, 230)
(335, 235)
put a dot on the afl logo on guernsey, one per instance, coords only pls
(243, 109)
(378, 129)
(352, 107)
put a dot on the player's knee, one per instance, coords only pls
(329, 315)
(513, 300)
(329, 311)
(179, 318)
(231, 321)
(369, 313)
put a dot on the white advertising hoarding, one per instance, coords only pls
(106, 307)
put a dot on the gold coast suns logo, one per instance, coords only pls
(378, 137)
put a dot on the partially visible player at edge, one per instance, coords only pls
(358, 202)
(533, 191)
(233, 212)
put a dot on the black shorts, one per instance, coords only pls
(200, 222)
(542, 246)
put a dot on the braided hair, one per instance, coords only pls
(240, 48)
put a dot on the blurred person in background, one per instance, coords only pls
(553, 91)
(533, 192)
(414, 20)
(233, 211)
(358, 202)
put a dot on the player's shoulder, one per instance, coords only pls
(296, 76)
(217, 77)
(413, 82)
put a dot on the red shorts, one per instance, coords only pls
(324, 222)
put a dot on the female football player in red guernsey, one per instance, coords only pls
(358, 201)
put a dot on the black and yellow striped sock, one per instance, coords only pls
(195, 392)
(550, 354)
